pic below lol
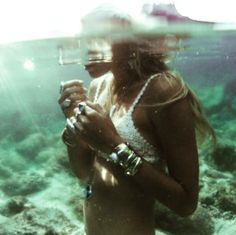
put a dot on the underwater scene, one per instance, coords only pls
(39, 194)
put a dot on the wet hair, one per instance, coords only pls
(142, 63)
(202, 125)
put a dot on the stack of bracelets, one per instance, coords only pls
(122, 155)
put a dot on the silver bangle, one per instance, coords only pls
(133, 168)
(124, 156)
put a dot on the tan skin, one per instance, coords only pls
(123, 205)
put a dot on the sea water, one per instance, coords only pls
(36, 183)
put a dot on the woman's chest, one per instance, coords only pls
(131, 115)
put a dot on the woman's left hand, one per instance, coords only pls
(96, 128)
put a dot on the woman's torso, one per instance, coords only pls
(117, 204)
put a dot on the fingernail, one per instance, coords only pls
(73, 120)
(62, 86)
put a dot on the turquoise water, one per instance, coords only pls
(34, 171)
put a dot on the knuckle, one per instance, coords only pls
(67, 91)
(72, 84)
(76, 98)
(79, 82)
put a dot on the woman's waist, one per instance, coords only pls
(117, 221)
(109, 180)
(109, 208)
(120, 193)
(119, 210)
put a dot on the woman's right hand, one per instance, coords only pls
(71, 94)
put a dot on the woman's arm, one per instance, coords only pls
(174, 127)
(178, 190)
(80, 155)
(81, 158)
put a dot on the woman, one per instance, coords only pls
(134, 143)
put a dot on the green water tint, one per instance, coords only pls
(33, 159)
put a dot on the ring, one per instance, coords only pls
(80, 110)
(66, 103)
(70, 124)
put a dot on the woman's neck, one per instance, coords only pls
(122, 84)
(124, 89)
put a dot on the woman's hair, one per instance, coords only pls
(202, 125)
(143, 63)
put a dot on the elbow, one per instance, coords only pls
(188, 202)
(187, 208)
(185, 212)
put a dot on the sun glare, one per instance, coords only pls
(29, 65)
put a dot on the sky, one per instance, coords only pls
(29, 19)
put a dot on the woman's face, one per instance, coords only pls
(121, 59)
(121, 68)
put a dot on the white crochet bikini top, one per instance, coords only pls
(126, 128)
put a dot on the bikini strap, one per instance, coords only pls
(140, 94)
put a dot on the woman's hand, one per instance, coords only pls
(72, 93)
(95, 127)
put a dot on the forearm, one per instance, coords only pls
(180, 197)
(81, 161)
(80, 157)
(166, 190)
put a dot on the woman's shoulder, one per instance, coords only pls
(169, 94)
(165, 86)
